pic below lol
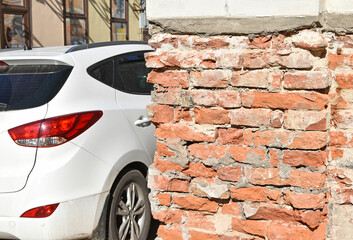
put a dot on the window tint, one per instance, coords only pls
(126, 72)
(131, 74)
(103, 72)
(29, 86)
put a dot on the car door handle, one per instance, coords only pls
(142, 122)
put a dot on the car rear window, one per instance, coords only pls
(29, 86)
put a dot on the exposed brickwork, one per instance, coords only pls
(254, 136)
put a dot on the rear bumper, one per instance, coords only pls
(74, 219)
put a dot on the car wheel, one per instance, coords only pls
(130, 211)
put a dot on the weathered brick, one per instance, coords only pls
(256, 60)
(172, 97)
(208, 151)
(229, 135)
(298, 59)
(247, 154)
(277, 117)
(232, 208)
(164, 198)
(199, 170)
(228, 99)
(311, 218)
(342, 119)
(209, 43)
(304, 200)
(163, 150)
(163, 114)
(290, 100)
(310, 40)
(169, 233)
(153, 60)
(169, 78)
(289, 139)
(170, 216)
(250, 117)
(164, 166)
(344, 80)
(184, 132)
(255, 194)
(206, 98)
(210, 78)
(307, 80)
(258, 228)
(262, 42)
(274, 157)
(340, 61)
(195, 203)
(304, 158)
(173, 185)
(256, 79)
(199, 220)
(210, 188)
(305, 120)
(211, 116)
(195, 235)
(228, 59)
(229, 173)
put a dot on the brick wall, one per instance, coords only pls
(254, 136)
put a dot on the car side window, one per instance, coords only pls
(103, 71)
(131, 74)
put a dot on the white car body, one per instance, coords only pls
(80, 173)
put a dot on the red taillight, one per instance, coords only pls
(54, 131)
(40, 212)
(3, 63)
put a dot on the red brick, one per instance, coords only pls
(342, 196)
(163, 114)
(185, 115)
(232, 208)
(342, 119)
(256, 60)
(164, 166)
(195, 203)
(164, 198)
(229, 173)
(210, 43)
(246, 154)
(311, 218)
(169, 216)
(299, 59)
(293, 232)
(210, 78)
(275, 213)
(256, 79)
(274, 158)
(195, 235)
(250, 117)
(163, 150)
(169, 78)
(229, 135)
(338, 61)
(182, 131)
(306, 120)
(199, 170)
(203, 97)
(304, 200)
(208, 151)
(307, 80)
(153, 60)
(174, 185)
(277, 119)
(288, 100)
(172, 97)
(169, 233)
(211, 116)
(228, 99)
(276, 79)
(262, 42)
(199, 220)
(270, 176)
(289, 139)
(229, 60)
(340, 139)
(303, 158)
(258, 228)
(310, 40)
(255, 194)
(344, 80)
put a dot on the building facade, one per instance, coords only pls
(54, 23)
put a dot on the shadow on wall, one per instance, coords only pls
(103, 10)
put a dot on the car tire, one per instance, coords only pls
(130, 210)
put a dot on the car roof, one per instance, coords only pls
(60, 50)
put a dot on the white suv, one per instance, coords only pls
(75, 142)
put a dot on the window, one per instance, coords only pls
(119, 20)
(75, 12)
(126, 73)
(14, 23)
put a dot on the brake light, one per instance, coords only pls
(40, 212)
(54, 131)
(3, 63)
